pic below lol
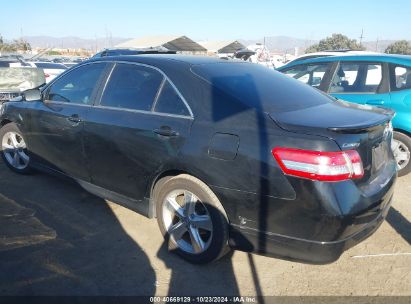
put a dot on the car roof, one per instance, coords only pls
(398, 59)
(159, 58)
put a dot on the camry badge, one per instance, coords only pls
(350, 145)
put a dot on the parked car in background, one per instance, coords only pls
(69, 64)
(15, 80)
(224, 153)
(51, 69)
(12, 61)
(344, 52)
(376, 80)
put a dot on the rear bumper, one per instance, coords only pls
(295, 249)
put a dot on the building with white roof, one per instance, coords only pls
(180, 44)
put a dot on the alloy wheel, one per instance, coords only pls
(187, 221)
(401, 153)
(14, 150)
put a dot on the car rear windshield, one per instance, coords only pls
(47, 65)
(260, 87)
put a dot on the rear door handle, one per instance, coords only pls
(166, 131)
(74, 118)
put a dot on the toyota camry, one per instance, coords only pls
(224, 154)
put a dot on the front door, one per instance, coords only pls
(56, 137)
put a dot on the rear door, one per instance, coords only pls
(361, 82)
(138, 127)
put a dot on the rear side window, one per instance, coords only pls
(132, 87)
(356, 78)
(170, 102)
(260, 87)
(78, 85)
(311, 74)
(401, 78)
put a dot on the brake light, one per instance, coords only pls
(317, 165)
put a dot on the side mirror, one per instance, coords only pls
(32, 95)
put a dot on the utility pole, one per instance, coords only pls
(376, 44)
(361, 37)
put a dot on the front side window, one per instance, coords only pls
(311, 74)
(170, 102)
(132, 87)
(401, 80)
(78, 85)
(356, 78)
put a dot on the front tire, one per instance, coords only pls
(401, 146)
(14, 149)
(191, 219)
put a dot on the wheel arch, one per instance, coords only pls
(405, 132)
(163, 177)
(4, 122)
(159, 178)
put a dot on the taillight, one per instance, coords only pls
(317, 165)
(46, 75)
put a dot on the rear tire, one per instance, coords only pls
(402, 147)
(13, 149)
(191, 219)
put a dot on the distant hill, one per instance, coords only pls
(280, 44)
(276, 43)
(73, 42)
(378, 46)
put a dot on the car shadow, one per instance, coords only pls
(400, 224)
(57, 239)
(214, 279)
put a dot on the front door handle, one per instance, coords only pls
(74, 118)
(166, 131)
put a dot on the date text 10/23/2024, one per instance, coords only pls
(205, 299)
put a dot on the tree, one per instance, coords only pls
(399, 47)
(17, 45)
(335, 42)
(22, 45)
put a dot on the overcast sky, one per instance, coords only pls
(208, 19)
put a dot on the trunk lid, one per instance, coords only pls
(353, 127)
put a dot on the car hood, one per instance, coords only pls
(20, 78)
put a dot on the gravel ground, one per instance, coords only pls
(57, 239)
